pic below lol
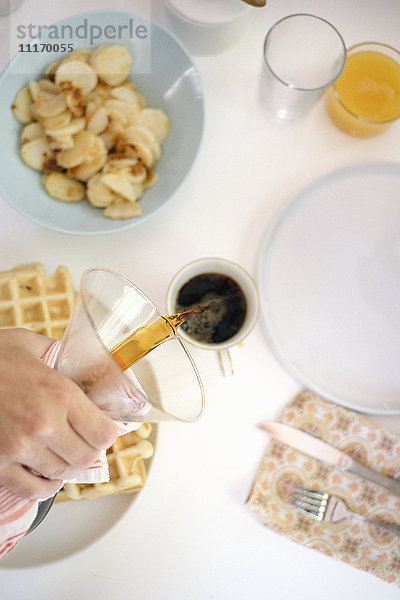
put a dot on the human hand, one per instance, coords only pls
(47, 423)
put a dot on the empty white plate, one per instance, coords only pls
(329, 277)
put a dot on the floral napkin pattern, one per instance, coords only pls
(372, 549)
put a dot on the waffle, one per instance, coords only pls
(126, 467)
(30, 299)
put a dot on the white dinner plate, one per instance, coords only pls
(72, 526)
(329, 276)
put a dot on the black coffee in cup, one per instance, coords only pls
(224, 307)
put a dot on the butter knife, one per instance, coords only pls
(316, 448)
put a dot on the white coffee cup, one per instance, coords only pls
(246, 283)
(207, 26)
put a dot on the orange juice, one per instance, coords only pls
(365, 99)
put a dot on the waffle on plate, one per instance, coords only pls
(30, 299)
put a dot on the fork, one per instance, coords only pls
(326, 507)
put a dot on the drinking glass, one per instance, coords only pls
(303, 55)
(164, 384)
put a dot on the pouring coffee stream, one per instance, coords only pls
(142, 341)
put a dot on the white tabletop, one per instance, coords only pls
(190, 535)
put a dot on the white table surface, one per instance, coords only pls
(190, 536)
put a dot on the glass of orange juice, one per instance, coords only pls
(365, 99)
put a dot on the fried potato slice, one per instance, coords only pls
(62, 187)
(65, 142)
(57, 122)
(78, 154)
(99, 194)
(36, 152)
(21, 106)
(99, 121)
(34, 113)
(123, 209)
(125, 94)
(112, 134)
(134, 146)
(50, 105)
(87, 170)
(119, 162)
(156, 120)
(145, 154)
(138, 173)
(75, 126)
(74, 97)
(48, 86)
(50, 165)
(51, 70)
(141, 100)
(116, 117)
(143, 135)
(82, 54)
(151, 179)
(130, 168)
(120, 182)
(101, 92)
(34, 89)
(109, 140)
(112, 64)
(31, 132)
(125, 149)
(129, 110)
(77, 73)
(97, 149)
(91, 107)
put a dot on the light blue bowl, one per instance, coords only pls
(162, 70)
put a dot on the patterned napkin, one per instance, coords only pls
(363, 546)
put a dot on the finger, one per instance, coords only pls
(47, 463)
(33, 343)
(26, 485)
(94, 426)
(73, 450)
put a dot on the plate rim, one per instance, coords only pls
(267, 240)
